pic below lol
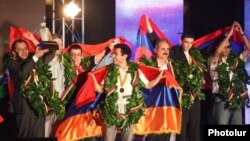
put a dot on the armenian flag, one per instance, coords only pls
(144, 46)
(162, 115)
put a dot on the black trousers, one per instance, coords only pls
(190, 123)
(29, 124)
(158, 137)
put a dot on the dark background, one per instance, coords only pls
(200, 16)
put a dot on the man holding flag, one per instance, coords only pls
(229, 79)
(123, 104)
(160, 60)
(87, 102)
(188, 67)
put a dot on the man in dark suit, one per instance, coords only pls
(29, 124)
(184, 54)
(191, 116)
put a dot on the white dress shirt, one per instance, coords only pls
(189, 58)
(162, 67)
(215, 76)
(57, 70)
(128, 88)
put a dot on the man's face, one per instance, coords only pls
(118, 57)
(187, 43)
(226, 50)
(162, 52)
(22, 50)
(76, 55)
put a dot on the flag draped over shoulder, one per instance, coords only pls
(94, 49)
(17, 33)
(87, 93)
(83, 118)
(91, 50)
(236, 40)
(143, 46)
(163, 102)
(163, 112)
(162, 115)
(206, 43)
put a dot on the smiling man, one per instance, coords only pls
(187, 62)
(20, 66)
(123, 104)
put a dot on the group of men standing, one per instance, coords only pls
(124, 81)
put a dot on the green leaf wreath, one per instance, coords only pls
(149, 62)
(136, 99)
(39, 91)
(85, 63)
(190, 77)
(237, 84)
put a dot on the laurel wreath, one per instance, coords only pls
(39, 91)
(238, 83)
(110, 107)
(190, 77)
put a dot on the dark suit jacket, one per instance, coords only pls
(176, 53)
(19, 70)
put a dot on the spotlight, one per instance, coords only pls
(71, 10)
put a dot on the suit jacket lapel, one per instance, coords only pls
(183, 56)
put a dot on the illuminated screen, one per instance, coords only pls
(247, 32)
(166, 14)
(247, 18)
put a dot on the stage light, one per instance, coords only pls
(71, 10)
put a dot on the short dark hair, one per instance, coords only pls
(54, 36)
(187, 35)
(13, 47)
(125, 50)
(159, 41)
(74, 46)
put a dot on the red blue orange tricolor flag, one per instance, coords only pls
(162, 115)
(143, 46)
(94, 49)
(236, 40)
